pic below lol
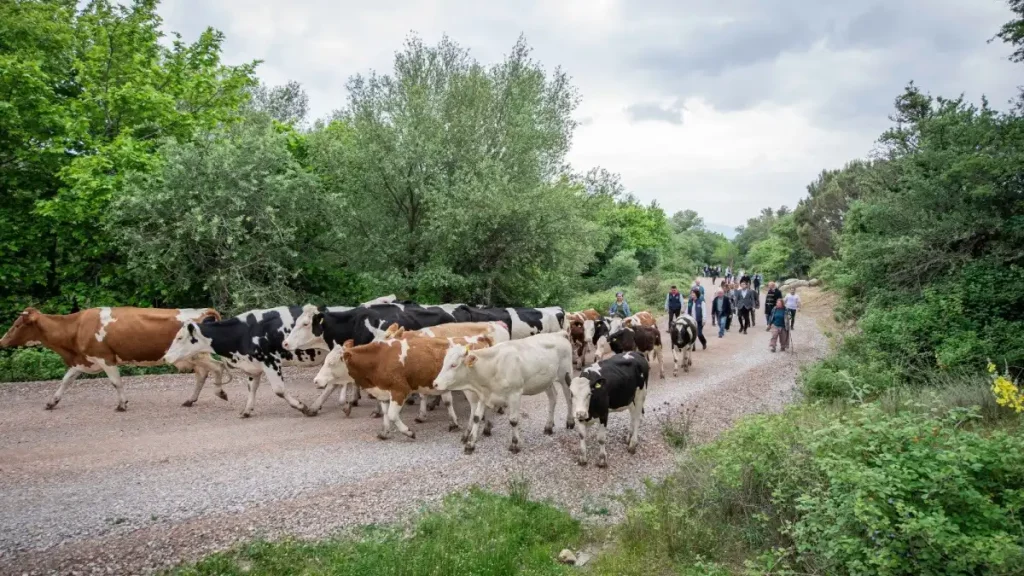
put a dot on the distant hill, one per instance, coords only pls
(728, 231)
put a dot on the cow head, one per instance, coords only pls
(582, 388)
(621, 340)
(308, 331)
(25, 331)
(577, 330)
(458, 361)
(334, 369)
(188, 342)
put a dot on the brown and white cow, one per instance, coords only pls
(391, 370)
(101, 339)
(644, 318)
(580, 327)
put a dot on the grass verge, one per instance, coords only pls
(478, 533)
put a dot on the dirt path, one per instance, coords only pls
(85, 490)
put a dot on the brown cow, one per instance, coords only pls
(393, 369)
(644, 318)
(580, 326)
(101, 339)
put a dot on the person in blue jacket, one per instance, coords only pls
(673, 304)
(619, 308)
(695, 308)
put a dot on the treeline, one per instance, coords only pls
(137, 172)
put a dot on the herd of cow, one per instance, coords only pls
(392, 350)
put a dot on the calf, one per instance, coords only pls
(501, 375)
(391, 370)
(611, 385)
(643, 339)
(581, 326)
(101, 339)
(683, 335)
(250, 342)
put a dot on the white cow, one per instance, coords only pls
(501, 375)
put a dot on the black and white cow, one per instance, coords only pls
(643, 339)
(599, 339)
(521, 322)
(683, 334)
(252, 343)
(611, 385)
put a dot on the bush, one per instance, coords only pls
(915, 484)
(621, 270)
(479, 533)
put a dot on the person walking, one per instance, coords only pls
(792, 305)
(673, 304)
(777, 325)
(695, 308)
(721, 308)
(619, 308)
(771, 296)
(696, 284)
(757, 282)
(745, 303)
(714, 274)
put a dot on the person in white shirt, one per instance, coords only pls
(792, 305)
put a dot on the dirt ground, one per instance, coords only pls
(86, 490)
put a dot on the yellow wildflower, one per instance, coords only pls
(1006, 392)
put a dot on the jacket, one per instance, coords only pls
(770, 297)
(674, 302)
(695, 308)
(745, 302)
(726, 307)
(614, 308)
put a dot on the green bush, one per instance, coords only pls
(910, 484)
(478, 533)
(621, 270)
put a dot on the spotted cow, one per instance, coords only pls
(617, 383)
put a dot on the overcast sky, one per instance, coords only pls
(721, 106)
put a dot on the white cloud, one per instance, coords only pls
(769, 92)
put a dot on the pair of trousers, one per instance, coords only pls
(700, 333)
(744, 319)
(792, 316)
(672, 315)
(780, 335)
(721, 326)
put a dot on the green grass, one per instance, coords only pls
(477, 533)
(32, 364)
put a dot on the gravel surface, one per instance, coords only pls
(85, 490)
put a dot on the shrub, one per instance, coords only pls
(621, 270)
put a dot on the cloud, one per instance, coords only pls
(653, 111)
(773, 90)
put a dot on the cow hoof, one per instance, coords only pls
(309, 412)
(631, 449)
(453, 427)
(244, 415)
(487, 431)
(549, 430)
(346, 410)
(468, 449)
(121, 408)
(411, 434)
(514, 448)
(187, 403)
(355, 402)
(570, 425)
(500, 410)
(602, 462)
(222, 395)
(382, 436)
(582, 461)
(465, 437)
(419, 419)
(51, 405)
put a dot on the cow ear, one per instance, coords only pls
(470, 360)
(349, 343)
(318, 319)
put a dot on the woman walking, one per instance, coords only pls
(695, 308)
(777, 325)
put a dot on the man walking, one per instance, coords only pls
(771, 296)
(721, 308)
(757, 282)
(777, 325)
(745, 303)
(695, 308)
(792, 305)
(673, 304)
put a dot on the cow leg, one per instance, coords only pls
(253, 385)
(570, 420)
(549, 427)
(513, 421)
(602, 439)
(661, 361)
(582, 428)
(634, 426)
(200, 374)
(69, 377)
(478, 414)
(675, 361)
(434, 402)
(449, 405)
(115, 379)
(277, 385)
(385, 431)
(393, 416)
(319, 402)
(422, 416)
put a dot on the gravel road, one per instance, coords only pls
(86, 490)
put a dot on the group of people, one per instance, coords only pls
(715, 272)
(740, 299)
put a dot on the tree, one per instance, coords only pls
(819, 216)
(231, 220)
(1012, 32)
(686, 220)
